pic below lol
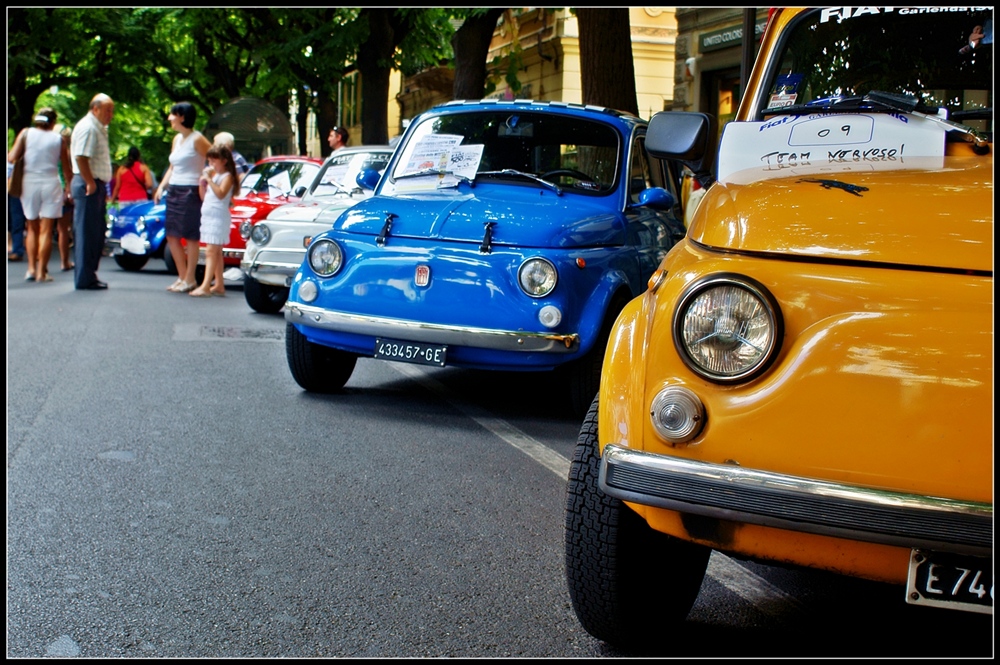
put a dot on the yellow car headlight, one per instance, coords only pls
(727, 327)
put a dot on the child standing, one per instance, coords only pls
(222, 184)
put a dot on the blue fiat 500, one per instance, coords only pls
(136, 233)
(501, 236)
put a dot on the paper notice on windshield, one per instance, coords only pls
(440, 152)
(279, 183)
(826, 143)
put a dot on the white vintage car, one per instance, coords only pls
(276, 246)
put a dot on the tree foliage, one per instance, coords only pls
(148, 58)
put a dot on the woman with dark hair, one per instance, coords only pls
(187, 159)
(133, 181)
(42, 194)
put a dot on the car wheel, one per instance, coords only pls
(131, 262)
(582, 377)
(317, 368)
(264, 298)
(628, 583)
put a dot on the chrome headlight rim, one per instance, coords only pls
(260, 233)
(325, 257)
(543, 289)
(769, 306)
(245, 228)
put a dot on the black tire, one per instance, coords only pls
(131, 262)
(264, 298)
(317, 368)
(582, 377)
(631, 586)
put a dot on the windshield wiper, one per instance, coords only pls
(834, 104)
(433, 171)
(908, 104)
(530, 176)
(880, 101)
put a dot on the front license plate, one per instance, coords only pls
(411, 352)
(955, 581)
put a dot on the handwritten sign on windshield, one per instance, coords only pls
(825, 143)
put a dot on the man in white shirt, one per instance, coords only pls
(91, 159)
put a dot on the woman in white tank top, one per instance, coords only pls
(42, 194)
(180, 182)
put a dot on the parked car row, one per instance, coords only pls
(276, 246)
(803, 375)
(136, 231)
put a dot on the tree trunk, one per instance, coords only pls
(326, 119)
(386, 30)
(607, 70)
(471, 43)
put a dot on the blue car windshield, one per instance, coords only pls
(940, 57)
(520, 147)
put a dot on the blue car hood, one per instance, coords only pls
(145, 208)
(521, 216)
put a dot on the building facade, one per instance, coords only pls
(709, 49)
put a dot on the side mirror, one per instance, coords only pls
(656, 198)
(685, 137)
(299, 191)
(368, 179)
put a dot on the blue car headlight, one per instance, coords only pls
(537, 277)
(325, 257)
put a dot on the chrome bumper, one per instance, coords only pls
(273, 267)
(483, 338)
(797, 504)
(227, 253)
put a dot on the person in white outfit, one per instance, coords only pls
(221, 185)
(180, 182)
(42, 193)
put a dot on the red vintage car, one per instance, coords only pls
(273, 181)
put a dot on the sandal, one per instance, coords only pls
(69, 267)
(221, 294)
(177, 284)
(185, 287)
(29, 276)
(47, 278)
(11, 256)
(196, 293)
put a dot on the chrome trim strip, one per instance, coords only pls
(797, 504)
(377, 326)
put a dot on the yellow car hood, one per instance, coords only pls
(940, 217)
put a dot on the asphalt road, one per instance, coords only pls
(171, 492)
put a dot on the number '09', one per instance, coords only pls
(823, 133)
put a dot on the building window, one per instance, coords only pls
(350, 101)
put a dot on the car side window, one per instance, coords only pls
(640, 175)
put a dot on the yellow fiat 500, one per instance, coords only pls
(808, 379)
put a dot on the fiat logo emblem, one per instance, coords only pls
(422, 276)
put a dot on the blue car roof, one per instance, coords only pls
(583, 110)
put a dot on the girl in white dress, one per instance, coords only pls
(221, 185)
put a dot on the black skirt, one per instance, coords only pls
(183, 212)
